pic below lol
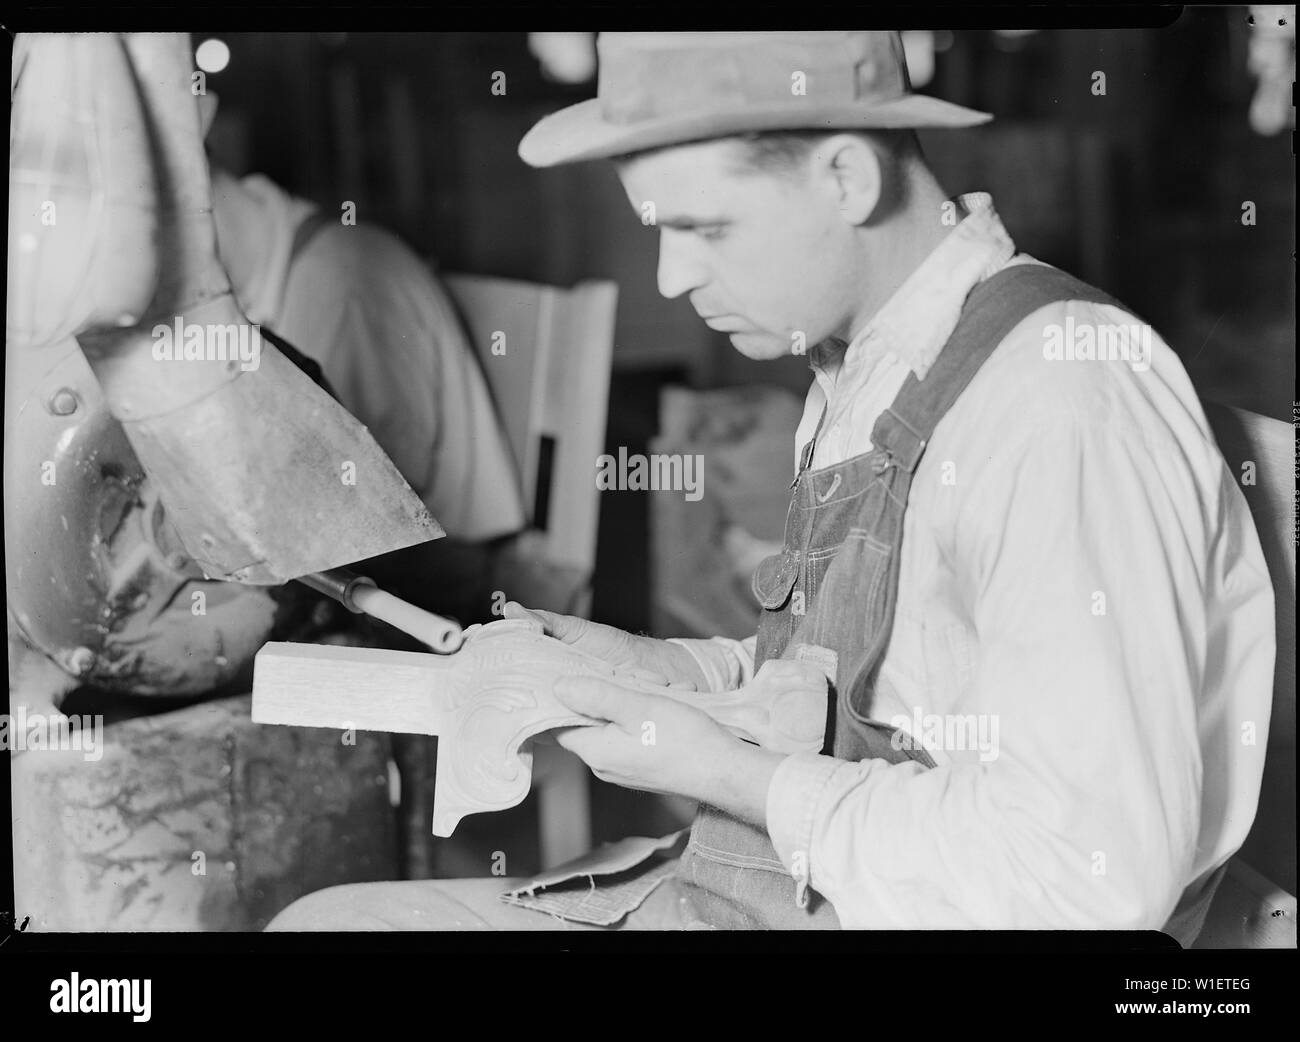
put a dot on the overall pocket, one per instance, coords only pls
(774, 578)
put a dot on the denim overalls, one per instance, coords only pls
(829, 598)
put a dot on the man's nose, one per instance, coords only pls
(680, 271)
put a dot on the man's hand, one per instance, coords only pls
(648, 659)
(656, 744)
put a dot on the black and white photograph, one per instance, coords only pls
(654, 487)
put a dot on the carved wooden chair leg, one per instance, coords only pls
(490, 698)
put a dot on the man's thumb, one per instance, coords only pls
(561, 627)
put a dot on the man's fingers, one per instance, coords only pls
(602, 700)
(515, 610)
(653, 676)
(561, 627)
(649, 676)
(583, 742)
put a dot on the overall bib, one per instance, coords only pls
(829, 598)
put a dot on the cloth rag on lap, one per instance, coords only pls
(630, 869)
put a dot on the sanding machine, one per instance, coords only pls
(133, 484)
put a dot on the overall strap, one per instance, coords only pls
(992, 309)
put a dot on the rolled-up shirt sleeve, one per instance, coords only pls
(1082, 555)
(725, 663)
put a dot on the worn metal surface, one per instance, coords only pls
(95, 575)
(264, 476)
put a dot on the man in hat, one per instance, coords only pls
(1012, 547)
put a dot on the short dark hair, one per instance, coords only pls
(783, 153)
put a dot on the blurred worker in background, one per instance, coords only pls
(357, 301)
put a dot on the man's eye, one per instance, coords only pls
(712, 232)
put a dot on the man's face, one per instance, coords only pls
(763, 257)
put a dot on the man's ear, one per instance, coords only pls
(854, 173)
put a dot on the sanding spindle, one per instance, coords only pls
(359, 594)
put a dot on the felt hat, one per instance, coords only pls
(658, 89)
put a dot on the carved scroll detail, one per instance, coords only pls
(489, 699)
(514, 669)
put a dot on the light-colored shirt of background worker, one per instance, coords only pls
(360, 303)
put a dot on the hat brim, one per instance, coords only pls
(581, 131)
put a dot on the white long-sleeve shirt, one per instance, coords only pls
(1083, 638)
